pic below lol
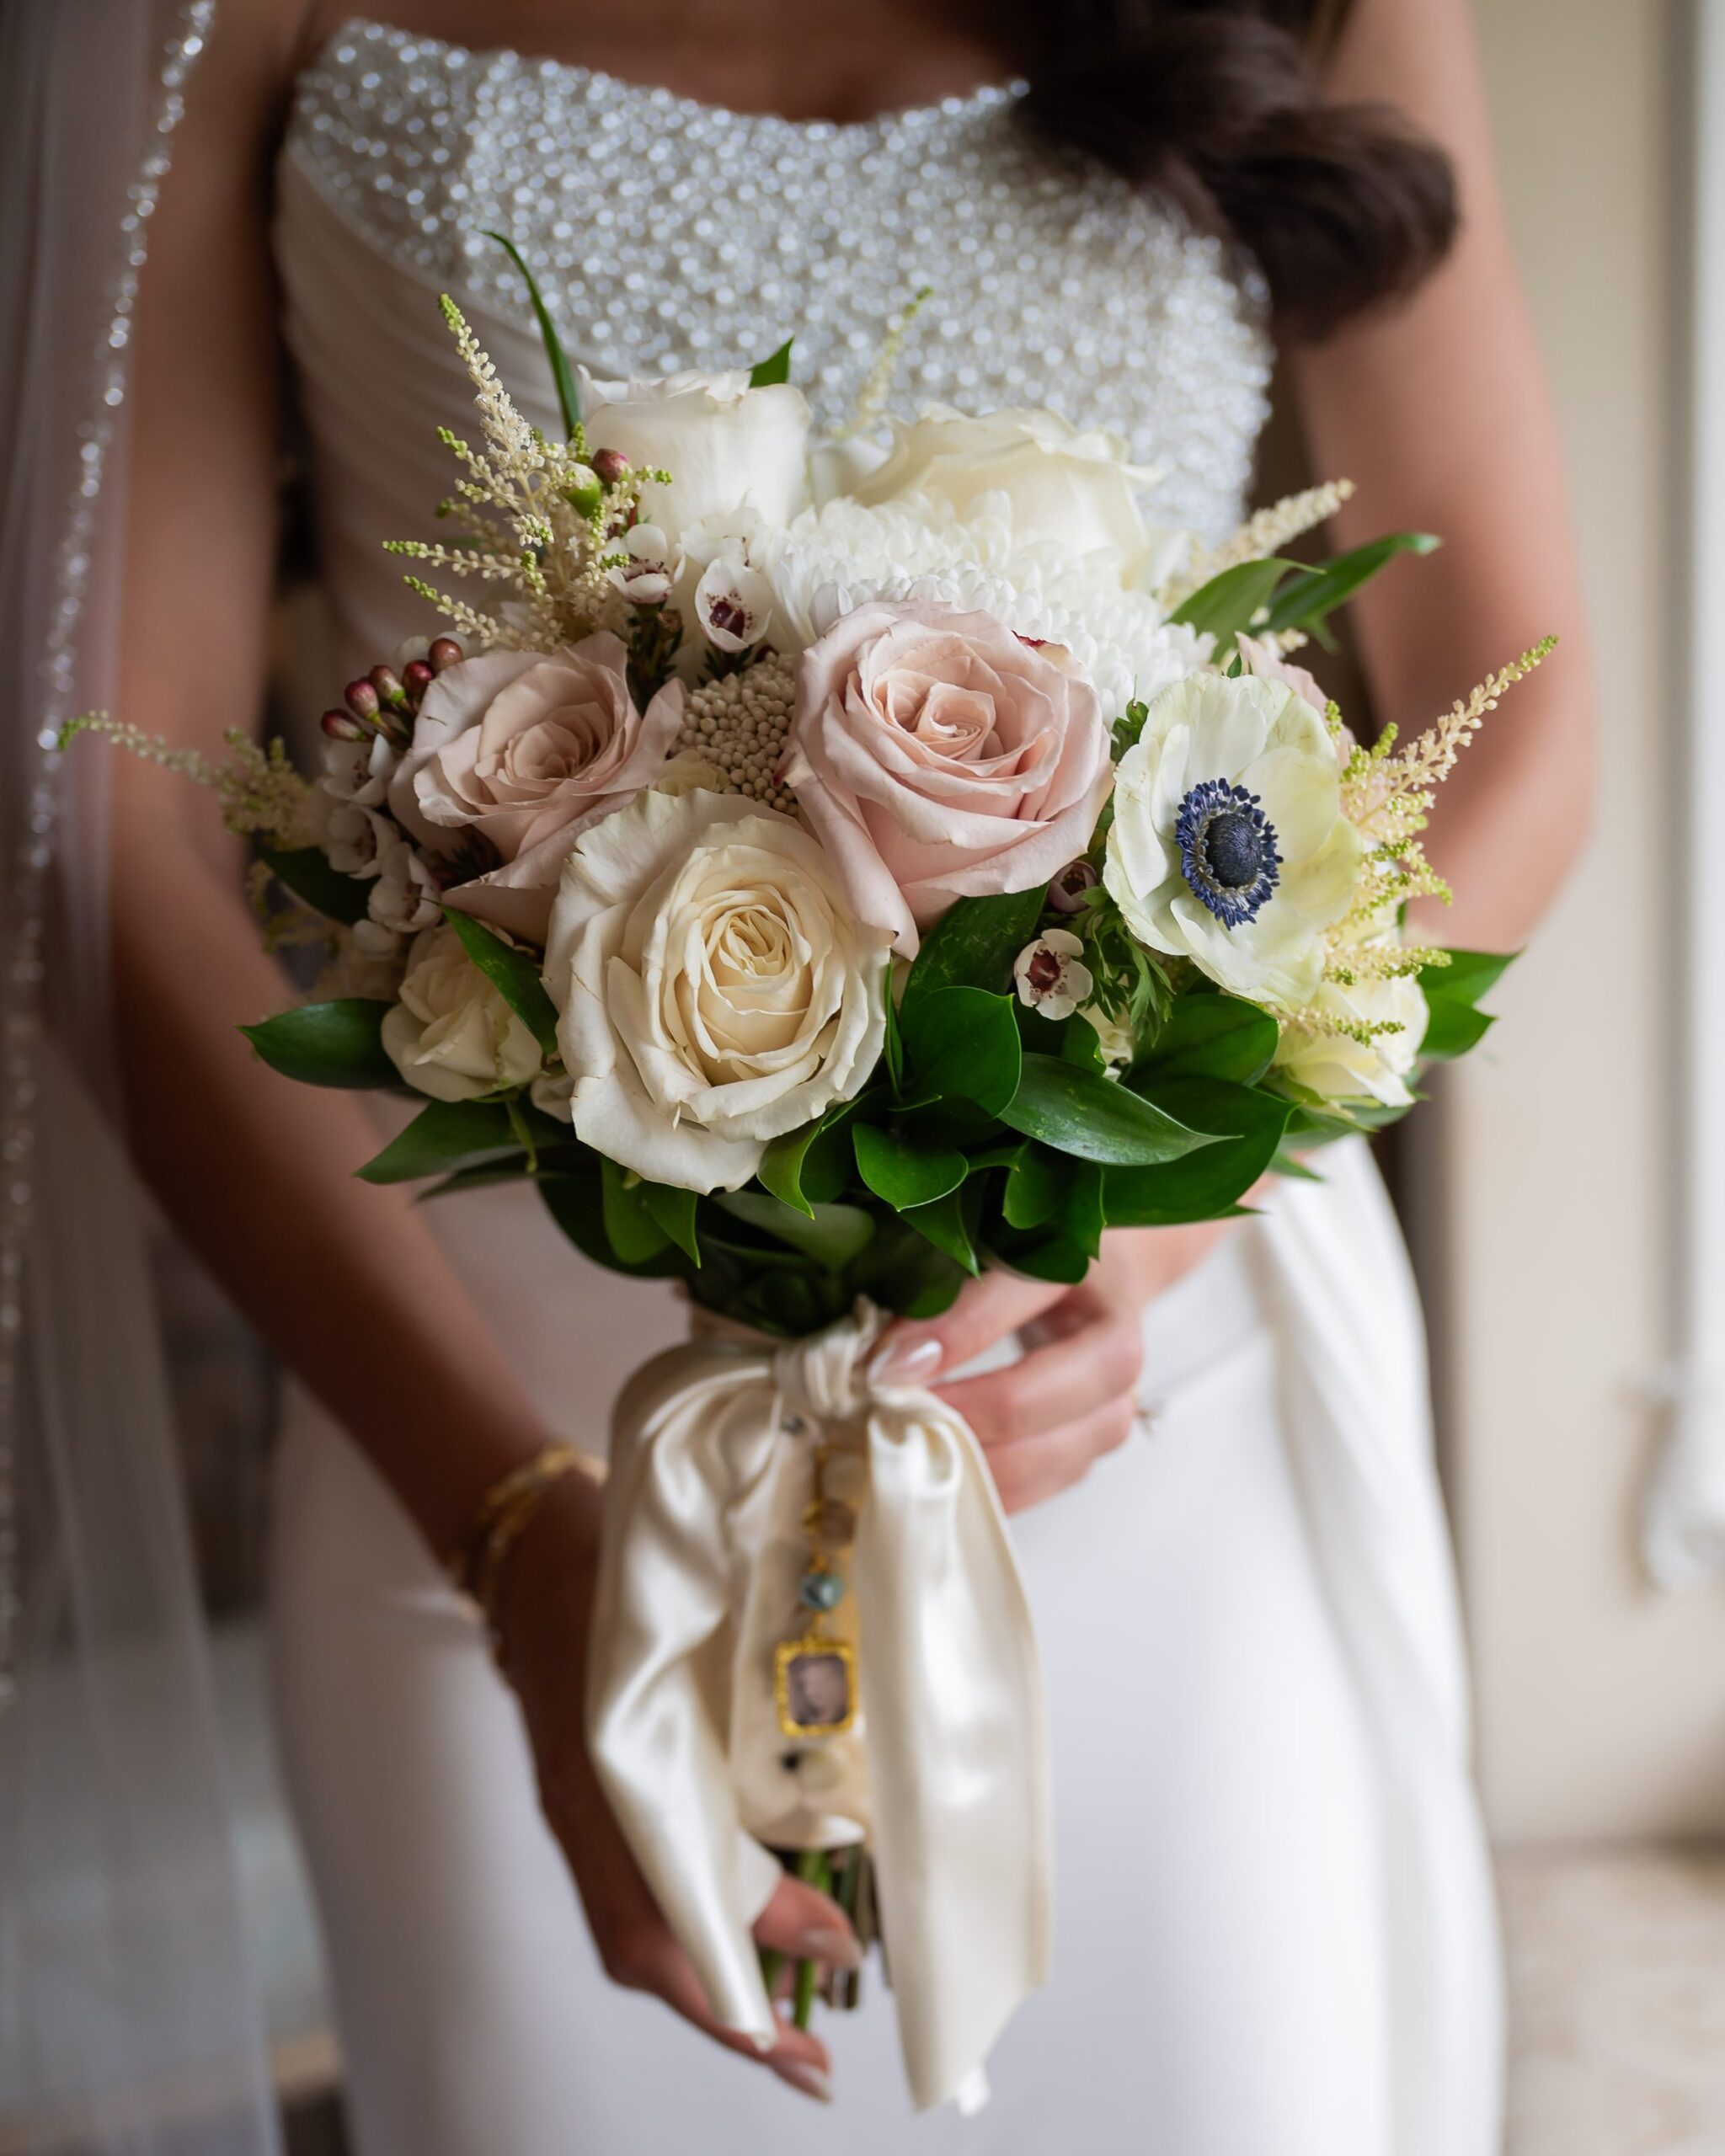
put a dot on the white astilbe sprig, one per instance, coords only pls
(1387, 794)
(261, 793)
(531, 513)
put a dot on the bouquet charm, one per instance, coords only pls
(822, 873)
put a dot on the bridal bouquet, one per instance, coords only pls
(823, 870)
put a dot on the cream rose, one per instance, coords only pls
(940, 757)
(527, 749)
(1075, 491)
(724, 443)
(715, 989)
(1341, 1066)
(452, 1035)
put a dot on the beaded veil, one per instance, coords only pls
(127, 2017)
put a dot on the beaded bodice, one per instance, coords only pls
(672, 234)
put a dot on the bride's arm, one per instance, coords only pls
(1440, 410)
(345, 1279)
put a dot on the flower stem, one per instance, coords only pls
(816, 1868)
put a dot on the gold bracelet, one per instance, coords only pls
(504, 1513)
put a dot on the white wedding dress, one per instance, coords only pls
(1274, 1932)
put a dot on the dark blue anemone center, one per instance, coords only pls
(1228, 851)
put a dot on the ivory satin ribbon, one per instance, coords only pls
(946, 1773)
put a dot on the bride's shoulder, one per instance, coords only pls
(254, 53)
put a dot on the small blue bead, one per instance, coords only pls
(822, 1590)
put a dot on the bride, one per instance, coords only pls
(1274, 1935)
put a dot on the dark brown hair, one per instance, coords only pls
(1215, 104)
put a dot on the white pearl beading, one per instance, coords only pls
(671, 234)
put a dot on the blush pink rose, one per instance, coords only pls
(939, 756)
(527, 749)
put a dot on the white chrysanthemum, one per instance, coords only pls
(831, 560)
(1372, 1059)
(1228, 844)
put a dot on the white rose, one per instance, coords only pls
(452, 1035)
(1074, 491)
(1340, 1066)
(1229, 845)
(714, 989)
(724, 443)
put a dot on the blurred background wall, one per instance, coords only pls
(1601, 1704)
(1545, 1198)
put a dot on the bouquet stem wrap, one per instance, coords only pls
(946, 1773)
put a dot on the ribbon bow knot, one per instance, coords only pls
(945, 1774)
(823, 1377)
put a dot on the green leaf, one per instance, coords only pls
(1036, 1182)
(893, 1041)
(443, 1137)
(973, 945)
(1095, 1118)
(831, 1235)
(306, 872)
(1453, 1024)
(936, 1296)
(1211, 1036)
(1207, 1185)
(569, 397)
(1046, 1258)
(337, 1043)
(776, 367)
(1081, 1216)
(1308, 599)
(515, 974)
(1229, 602)
(1469, 975)
(963, 1043)
(1452, 1029)
(674, 1210)
(812, 1166)
(902, 1171)
(576, 1202)
(634, 1234)
(1291, 1165)
(780, 1170)
(1317, 1122)
(514, 1169)
(946, 1226)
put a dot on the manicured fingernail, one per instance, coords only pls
(838, 1949)
(801, 2075)
(900, 1364)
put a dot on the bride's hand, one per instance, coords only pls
(543, 1612)
(1045, 1420)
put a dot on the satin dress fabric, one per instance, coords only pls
(1274, 1929)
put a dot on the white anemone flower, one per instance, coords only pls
(1229, 846)
(1050, 975)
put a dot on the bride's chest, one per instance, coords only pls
(669, 234)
